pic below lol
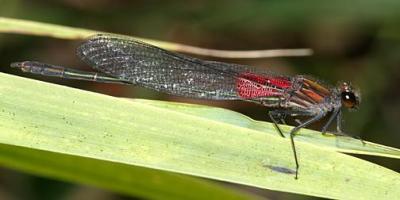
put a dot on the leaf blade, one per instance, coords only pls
(144, 135)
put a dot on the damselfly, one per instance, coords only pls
(124, 60)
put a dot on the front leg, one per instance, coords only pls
(339, 122)
(337, 113)
(339, 128)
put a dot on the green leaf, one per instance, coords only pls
(189, 139)
(126, 179)
(338, 143)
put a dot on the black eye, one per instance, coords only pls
(349, 100)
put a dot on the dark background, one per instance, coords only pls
(358, 41)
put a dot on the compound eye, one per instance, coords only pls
(349, 99)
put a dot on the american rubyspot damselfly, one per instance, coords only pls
(126, 61)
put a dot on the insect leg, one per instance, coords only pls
(282, 119)
(339, 122)
(335, 115)
(339, 128)
(293, 132)
(276, 113)
(298, 121)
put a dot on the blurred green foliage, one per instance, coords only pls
(355, 40)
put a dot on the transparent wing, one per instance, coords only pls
(173, 73)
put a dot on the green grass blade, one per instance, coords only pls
(131, 180)
(9, 25)
(68, 121)
(337, 143)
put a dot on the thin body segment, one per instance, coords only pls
(126, 61)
